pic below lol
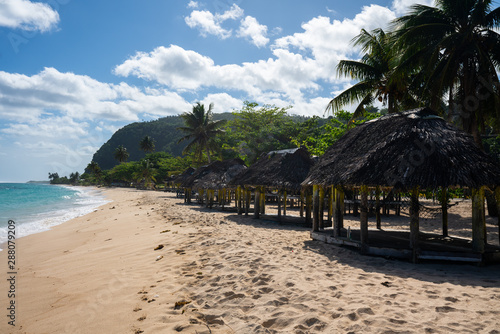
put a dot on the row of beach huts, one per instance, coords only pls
(366, 170)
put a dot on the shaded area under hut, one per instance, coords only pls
(211, 182)
(276, 176)
(406, 152)
(177, 181)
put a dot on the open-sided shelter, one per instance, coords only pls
(408, 151)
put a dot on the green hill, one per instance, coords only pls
(163, 131)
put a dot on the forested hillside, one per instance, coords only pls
(163, 131)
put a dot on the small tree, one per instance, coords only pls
(121, 154)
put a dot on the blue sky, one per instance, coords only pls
(74, 71)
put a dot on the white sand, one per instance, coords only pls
(100, 274)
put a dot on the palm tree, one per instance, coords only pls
(121, 154)
(456, 49)
(147, 144)
(375, 72)
(201, 130)
(93, 167)
(146, 173)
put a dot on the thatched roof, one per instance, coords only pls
(179, 179)
(280, 169)
(404, 150)
(215, 175)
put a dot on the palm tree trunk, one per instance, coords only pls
(208, 155)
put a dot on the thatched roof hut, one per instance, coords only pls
(215, 175)
(284, 170)
(179, 179)
(405, 150)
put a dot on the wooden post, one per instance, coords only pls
(478, 223)
(377, 208)
(341, 207)
(212, 197)
(336, 214)
(238, 200)
(330, 205)
(315, 204)
(248, 195)
(414, 223)
(308, 205)
(302, 202)
(284, 202)
(497, 197)
(263, 200)
(444, 209)
(279, 205)
(363, 230)
(321, 206)
(201, 193)
(256, 204)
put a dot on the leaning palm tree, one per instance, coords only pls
(121, 154)
(375, 72)
(457, 51)
(201, 130)
(147, 144)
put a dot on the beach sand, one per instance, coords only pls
(217, 272)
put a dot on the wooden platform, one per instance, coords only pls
(396, 244)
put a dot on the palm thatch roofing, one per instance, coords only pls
(405, 150)
(215, 175)
(278, 169)
(179, 179)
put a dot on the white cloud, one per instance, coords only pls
(211, 24)
(401, 7)
(48, 127)
(250, 28)
(223, 102)
(25, 98)
(192, 4)
(27, 15)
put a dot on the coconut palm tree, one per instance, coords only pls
(375, 72)
(147, 144)
(146, 173)
(201, 130)
(121, 154)
(455, 47)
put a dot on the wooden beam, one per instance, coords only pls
(414, 223)
(263, 200)
(444, 210)
(321, 208)
(335, 213)
(315, 204)
(341, 207)
(377, 208)
(248, 197)
(364, 219)
(256, 204)
(302, 202)
(478, 223)
(308, 205)
(284, 202)
(331, 194)
(497, 197)
(279, 205)
(238, 199)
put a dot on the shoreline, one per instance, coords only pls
(49, 219)
(217, 272)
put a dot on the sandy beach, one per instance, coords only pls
(148, 263)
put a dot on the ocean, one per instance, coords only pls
(38, 207)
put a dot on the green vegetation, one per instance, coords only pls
(201, 130)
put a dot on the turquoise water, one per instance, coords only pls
(38, 207)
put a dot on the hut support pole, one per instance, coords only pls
(341, 207)
(263, 200)
(248, 195)
(377, 208)
(302, 202)
(331, 202)
(497, 197)
(256, 204)
(414, 223)
(444, 209)
(279, 206)
(478, 223)
(315, 203)
(201, 193)
(284, 203)
(308, 205)
(321, 206)
(238, 200)
(363, 231)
